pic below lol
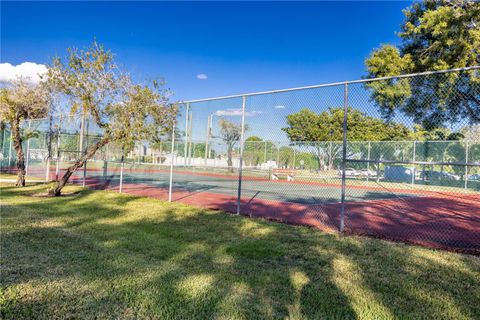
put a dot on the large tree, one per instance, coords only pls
(256, 150)
(96, 88)
(324, 131)
(22, 100)
(435, 35)
(230, 133)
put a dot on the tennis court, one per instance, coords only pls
(437, 219)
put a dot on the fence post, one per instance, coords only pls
(82, 129)
(84, 151)
(278, 154)
(3, 139)
(49, 150)
(10, 152)
(58, 154)
(122, 164)
(185, 136)
(190, 140)
(368, 158)
(466, 166)
(344, 156)
(414, 167)
(28, 149)
(240, 171)
(294, 156)
(161, 152)
(265, 153)
(210, 132)
(172, 150)
(206, 141)
(3, 143)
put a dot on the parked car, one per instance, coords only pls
(349, 172)
(438, 175)
(367, 173)
(450, 176)
(474, 177)
(399, 173)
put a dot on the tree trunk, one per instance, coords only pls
(229, 158)
(333, 150)
(320, 159)
(20, 164)
(57, 190)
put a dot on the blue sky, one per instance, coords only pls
(239, 46)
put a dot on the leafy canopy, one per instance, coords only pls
(308, 126)
(94, 84)
(230, 132)
(435, 35)
(21, 99)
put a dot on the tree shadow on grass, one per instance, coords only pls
(413, 281)
(191, 266)
(88, 258)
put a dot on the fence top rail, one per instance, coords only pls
(330, 84)
(438, 163)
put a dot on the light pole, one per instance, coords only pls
(208, 137)
(185, 137)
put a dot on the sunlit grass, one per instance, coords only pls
(109, 255)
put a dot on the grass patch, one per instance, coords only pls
(103, 254)
(11, 176)
(256, 249)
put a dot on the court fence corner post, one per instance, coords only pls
(344, 157)
(240, 166)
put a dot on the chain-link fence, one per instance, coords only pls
(396, 157)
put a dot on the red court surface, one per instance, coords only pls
(443, 221)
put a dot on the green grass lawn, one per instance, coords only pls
(109, 255)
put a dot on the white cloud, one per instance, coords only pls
(279, 107)
(202, 76)
(253, 113)
(30, 70)
(236, 113)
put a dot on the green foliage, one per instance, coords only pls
(441, 34)
(257, 151)
(308, 126)
(435, 35)
(422, 134)
(21, 100)
(253, 139)
(311, 129)
(94, 84)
